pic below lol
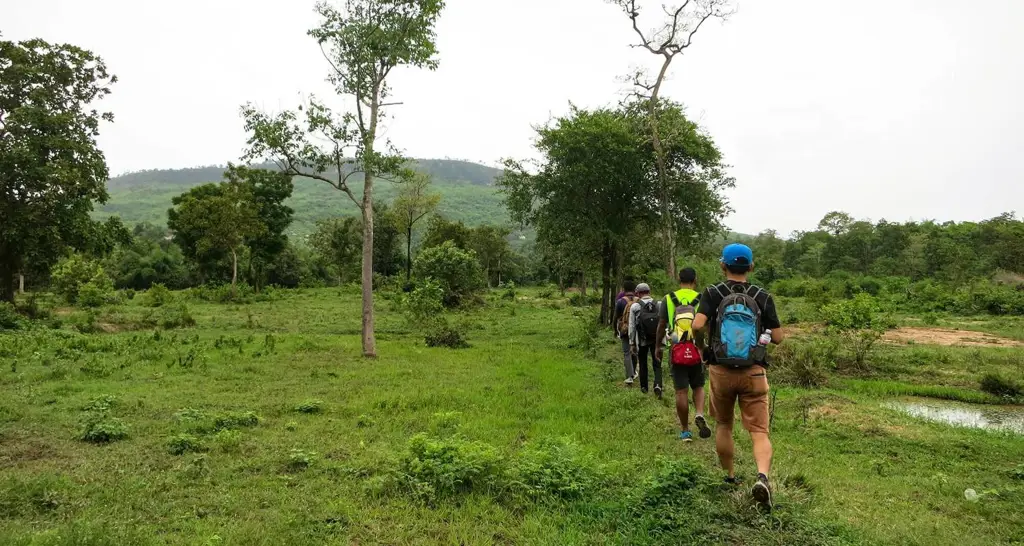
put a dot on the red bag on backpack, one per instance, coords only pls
(685, 354)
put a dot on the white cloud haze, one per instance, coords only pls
(896, 109)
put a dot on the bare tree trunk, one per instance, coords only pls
(583, 284)
(659, 158)
(21, 283)
(606, 284)
(234, 272)
(369, 340)
(408, 254)
(6, 282)
(561, 283)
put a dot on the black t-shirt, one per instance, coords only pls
(712, 297)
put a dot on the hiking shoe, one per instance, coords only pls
(734, 481)
(702, 424)
(657, 391)
(762, 492)
(629, 381)
(686, 436)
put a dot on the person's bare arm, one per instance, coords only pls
(778, 336)
(661, 339)
(700, 321)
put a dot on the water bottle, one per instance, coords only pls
(765, 338)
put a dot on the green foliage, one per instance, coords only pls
(442, 334)
(10, 319)
(553, 469)
(425, 301)
(509, 292)
(157, 296)
(805, 363)
(235, 420)
(858, 313)
(310, 406)
(457, 271)
(433, 468)
(51, 168)
(300, 459)
(100, 428)
(98, 292)
(1002, 386)
(71, 273)
(181, 444)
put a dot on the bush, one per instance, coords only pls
(425, 301)
(71, 273)
(857, 313)
(445, 335)
(805, 363)
(457, 271)
(99, 291)
(230, 421)
(510, 292)
(310, 406)
(9, 317)
(300, 459)
(171, 317)
(157, 296)
(184, 443)
(552, 469)
(547, 292)
(1001, 386)
(101, 429)
(433, 468)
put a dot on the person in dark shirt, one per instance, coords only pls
(620, 323)
(747, 385)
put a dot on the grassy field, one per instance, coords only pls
(262, 425)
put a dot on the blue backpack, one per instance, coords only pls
(738, 327)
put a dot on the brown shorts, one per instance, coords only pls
(749, 386)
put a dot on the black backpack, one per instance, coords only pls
(647, 322)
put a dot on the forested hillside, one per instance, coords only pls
(467, 194)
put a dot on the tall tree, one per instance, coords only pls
(268, 190)
(413, 203)
(363, 41)
(51, 169)
(218, 221)
(492, 249)
(667, 41)
(337, 240)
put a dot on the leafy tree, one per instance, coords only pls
(492, 249)
(268, 191)
(51, 169)
(387, 259)
(835, 223)
(217, 219)
(669, 40)
(337, 240)
(414, 202)
(457, 271)
(440, 230)
(363, 41)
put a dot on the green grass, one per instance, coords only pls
(263, 425)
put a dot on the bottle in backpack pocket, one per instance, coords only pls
(765, 338)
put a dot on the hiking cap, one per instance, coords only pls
(737, 254)
(643, 287)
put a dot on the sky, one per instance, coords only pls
(894, 109)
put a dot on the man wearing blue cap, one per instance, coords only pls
(739, 320)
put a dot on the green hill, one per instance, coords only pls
(467, 194)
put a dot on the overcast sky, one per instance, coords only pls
(895, 109)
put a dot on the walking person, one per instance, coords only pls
(679, 309)
(620, 325)
(644, 316)
(740, 321)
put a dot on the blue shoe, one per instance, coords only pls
(686, 436)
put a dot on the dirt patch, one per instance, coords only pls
(948, 338)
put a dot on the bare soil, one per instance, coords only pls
(948, 338)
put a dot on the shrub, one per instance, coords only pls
(300, 459)
(184, 443)
(229, 441)
(175, 316)
(547, 292)
(510, 292)
(444, 335)
(1001, 386)
(235, 420)
(9, 317)
(157, 296)
(456, 270)
(71, 273)
(101, 429)
(425, 301)
(805, 363)
(98, 292)
(310, 406)
(552, 469)
(433, 468)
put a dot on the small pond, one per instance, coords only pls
(1005, 418)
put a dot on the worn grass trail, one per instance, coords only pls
(518, 439)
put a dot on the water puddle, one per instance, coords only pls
(1005, 418)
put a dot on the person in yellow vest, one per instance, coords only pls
(678, 312)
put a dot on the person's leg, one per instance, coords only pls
(754, 407)
(657, 370)
(627, 360)
(725, 448)
(762, 452)
(683, 408)
(641, 361)
(723, 402)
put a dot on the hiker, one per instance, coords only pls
(620, 325)
(740, 320)
(679, 308)
(644, 316)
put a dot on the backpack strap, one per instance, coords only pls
(675, 299)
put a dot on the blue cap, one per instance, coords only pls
(737, 254)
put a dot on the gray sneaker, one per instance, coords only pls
(702, 425)
(762, 492)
